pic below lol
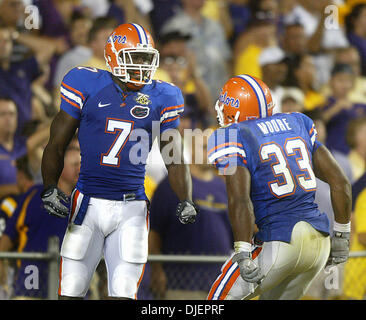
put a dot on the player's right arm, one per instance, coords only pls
(62, 130)
(227, 153)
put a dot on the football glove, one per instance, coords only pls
(52, 199)
(249, 270)
(187, 212)
(339, 248)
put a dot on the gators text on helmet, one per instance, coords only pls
(243, 98)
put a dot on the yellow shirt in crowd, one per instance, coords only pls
(248, 61)
(313, 99)
(96, 63)
(354, 285)
(357, 164)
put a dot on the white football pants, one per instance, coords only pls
(289, 268)
(116, 229)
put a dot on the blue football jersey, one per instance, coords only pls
(116, 129)
(277, 151)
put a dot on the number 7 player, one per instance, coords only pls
(270, 163)
(108, 208)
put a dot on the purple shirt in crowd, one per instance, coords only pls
(360, 44)
(209, 235)
(16, 82)
(162, 11)
(53, 24)
(8, 171)
(337, 126)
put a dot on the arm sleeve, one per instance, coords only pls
(73, 93)
(226, 150)
(172, 108)
(11, 223)
(311, 130)
(8, 206)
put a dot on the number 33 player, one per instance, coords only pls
(270, 163)
(108, 209)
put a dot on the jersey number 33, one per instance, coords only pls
(278, 156)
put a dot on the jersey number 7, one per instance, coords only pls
(123, 129)
(293, 147)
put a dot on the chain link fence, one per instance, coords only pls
(165, 276)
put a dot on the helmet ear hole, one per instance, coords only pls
(230, 118)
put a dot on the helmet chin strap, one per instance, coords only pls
(237, 116)
(130, 85)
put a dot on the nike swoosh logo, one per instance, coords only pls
(100, 105)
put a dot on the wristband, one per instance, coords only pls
(342, 227)
(240, 246)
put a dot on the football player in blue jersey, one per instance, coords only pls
(270, 163)
(109, 207)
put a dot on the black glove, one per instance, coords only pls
(52, 198)
(187, 212)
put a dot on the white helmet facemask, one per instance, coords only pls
(220, 114)
(219, 107)
(136, 65)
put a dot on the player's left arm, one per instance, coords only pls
(171, 149)
(327, 169)
(179, 176)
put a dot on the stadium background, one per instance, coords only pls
(311, 53)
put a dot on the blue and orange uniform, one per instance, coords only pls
(117, 129)
(277, 151)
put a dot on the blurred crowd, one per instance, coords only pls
(311, 54)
